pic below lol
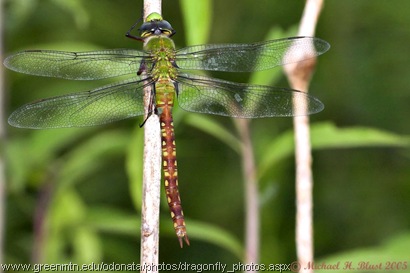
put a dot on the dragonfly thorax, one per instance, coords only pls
(159, 43)
(162, 51)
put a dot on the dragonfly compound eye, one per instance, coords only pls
(156, 28)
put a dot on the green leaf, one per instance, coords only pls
(87, 246)
(134, 165)
(106, 219)
(65, 215)
(19, 11)
(281, 147)
(389, 257)
(212, 127)
(44, 144)
(16, 150)
(208, 233)
(326, 135)
(110, 220)
(77, 10)
(66, 210)
(87, 156)
(197, 19)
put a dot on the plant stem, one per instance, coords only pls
(3, 144)
(299, 76)
(251, 193)
(151, 188)
(151, 6)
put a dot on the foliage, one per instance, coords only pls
(68, 196)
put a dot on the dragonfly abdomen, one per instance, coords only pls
(165, 101)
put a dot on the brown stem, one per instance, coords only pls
(299, 75)
(3, 144)
(251, 193)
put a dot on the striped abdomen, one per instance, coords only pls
(164, 103)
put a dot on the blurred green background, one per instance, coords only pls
(73, 194)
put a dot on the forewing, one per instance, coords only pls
(99, 106)
(250, 57)
(77, 65)
(213, 96)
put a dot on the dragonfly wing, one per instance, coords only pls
(77, 65)
(250, 57)
(213, 96)
(99, 106)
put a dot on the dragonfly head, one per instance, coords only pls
(155, 25)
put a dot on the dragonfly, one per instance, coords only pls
(164, 70)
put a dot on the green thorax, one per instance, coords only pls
(162, 51)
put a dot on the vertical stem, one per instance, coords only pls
(251, 193)
(304, 189)
(299, 76)
(2, 144)
(151, 6)
(151, 190)
(39, 227)
(151, 177)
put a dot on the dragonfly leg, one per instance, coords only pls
(174, 64)
(142, 68)
(176, 88)
(152, 108)
(129, 35)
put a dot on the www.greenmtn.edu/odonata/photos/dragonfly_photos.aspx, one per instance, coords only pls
(160, 66)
